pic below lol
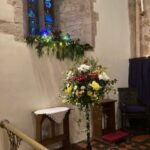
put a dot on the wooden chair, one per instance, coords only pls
(131, 107)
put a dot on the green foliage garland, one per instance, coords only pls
(58, 44)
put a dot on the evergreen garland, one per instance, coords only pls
(59, 44)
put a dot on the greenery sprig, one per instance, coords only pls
(59, 44)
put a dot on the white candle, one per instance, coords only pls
(142, 6)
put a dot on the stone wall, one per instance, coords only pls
(73, 17)
(15, 27)
(132, 19)
(144, 28)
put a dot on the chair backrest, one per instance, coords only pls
(128, 96)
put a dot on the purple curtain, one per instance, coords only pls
(139, 77)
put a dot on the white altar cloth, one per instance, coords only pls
(56, 113)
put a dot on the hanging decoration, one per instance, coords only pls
(57, 43)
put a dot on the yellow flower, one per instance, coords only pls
(77, 93)
(90, 93)
(36, 40)
(47, 40)
(95, 86)
(65, 101)
(69, 89)
(97, 71)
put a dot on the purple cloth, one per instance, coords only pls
(139, 78)
(134, 108)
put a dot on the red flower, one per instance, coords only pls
(80, 78)
(74, 78)
(56, 33)
(94, 75)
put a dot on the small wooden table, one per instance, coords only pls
(64, 138)
(103, 118)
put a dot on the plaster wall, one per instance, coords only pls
(112, 42)
(113, 38)
(28, 83)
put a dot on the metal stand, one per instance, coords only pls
(14, 140)
(89, 147)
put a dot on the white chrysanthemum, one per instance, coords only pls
(75, 87)
(82, 87)
(84, 68)
(67, 84)
(103, 76)
(69, 75)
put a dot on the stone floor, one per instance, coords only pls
(138, 142)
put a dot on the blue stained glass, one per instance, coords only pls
(48, 19)
(31, 13)
(49, 28)
(33, 1)
(48, 3)
(43, 32)
(33, 31)
(33, 23)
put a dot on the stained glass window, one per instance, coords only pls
(48, 15)
(34, 11)
(33, 25)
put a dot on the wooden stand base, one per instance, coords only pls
(64, 138)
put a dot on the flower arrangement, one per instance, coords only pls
(85, 84)
(57, 43)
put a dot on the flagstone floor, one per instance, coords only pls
(138, 142)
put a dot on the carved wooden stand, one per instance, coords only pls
(105, 110)
(64, 138)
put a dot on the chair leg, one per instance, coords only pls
(148, 122)
(123, 121)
